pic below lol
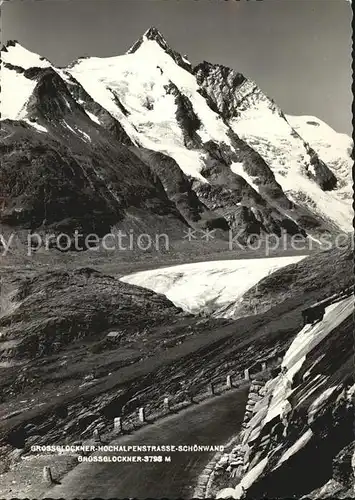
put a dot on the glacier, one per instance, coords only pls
(208, 286)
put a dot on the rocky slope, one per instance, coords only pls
(148, 141)
(336, 150)
(70, 173)
(294, 167)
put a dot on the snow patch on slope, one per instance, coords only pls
(324, 204)
(207, 286)
(299, 444)
(86, 136)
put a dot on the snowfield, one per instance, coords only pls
(37, 126)
(208, 286)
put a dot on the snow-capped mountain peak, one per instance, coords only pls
(312, 393)
(154, 35)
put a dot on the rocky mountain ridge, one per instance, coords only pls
(304, 413)
(199, 147)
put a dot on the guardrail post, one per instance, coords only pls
(117, 424)
(47, 475)
(229, 381)
(246, 374)
(141, 415)
(96, 435)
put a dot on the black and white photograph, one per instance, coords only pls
(176, 249)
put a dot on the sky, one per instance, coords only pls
(297, 51)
